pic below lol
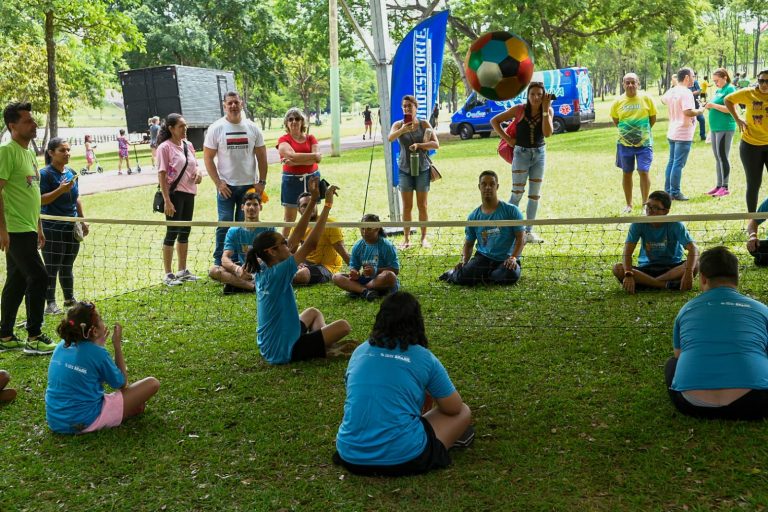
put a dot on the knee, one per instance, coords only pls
(618, 270)
(312, 311)
(344, 328)
(338, 278)
(215, 273)
(153, 385)
(388, 277)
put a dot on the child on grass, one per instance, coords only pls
(373, 265)
(383, 431)
(6, 395)
(75, 402)
(283, 335)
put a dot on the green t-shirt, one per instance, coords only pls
(634, 120)
(719, 121)
(21, 193)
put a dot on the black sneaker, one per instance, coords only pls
(231, 290)
(370, 295)
(353, 295)
(445, 276)
(673, 285)
(680, 197)
(466, 438)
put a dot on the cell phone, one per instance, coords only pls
(407, 118)
(552, 97)
(323, 187)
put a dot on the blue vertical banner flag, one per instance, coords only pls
(416, 70)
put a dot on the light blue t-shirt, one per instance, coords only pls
(762, 209)
(240, 240)
(662, 245)
(385, 394)
(379, 255)
(75, 394)
(496, 243)
(723, 338)
(278, 315)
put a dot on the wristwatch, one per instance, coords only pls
(262, 182)
(629, 273)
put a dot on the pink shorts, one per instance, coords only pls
(111, 413)
(89, 157)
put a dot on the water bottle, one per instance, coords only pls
(415, 163)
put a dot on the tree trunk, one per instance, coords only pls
(757, 46)
(53, 88)
(668, 70)
(453, 46)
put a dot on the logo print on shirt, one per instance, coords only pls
(237, 140)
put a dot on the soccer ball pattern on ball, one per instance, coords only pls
(499, 65)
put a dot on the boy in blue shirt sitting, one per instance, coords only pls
(758, 248)
(660, 264)
(720, 338)
(497, 259)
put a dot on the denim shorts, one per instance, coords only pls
(530, 159)
(626, 156)
(418, 183)
(293, 185)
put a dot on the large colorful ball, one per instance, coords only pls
(499, 65)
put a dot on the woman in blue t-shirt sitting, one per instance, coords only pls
(75, 402)
(283, 335)
(383, 431)
(60, 196)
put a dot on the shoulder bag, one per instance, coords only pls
(158, 204)
(506, 151)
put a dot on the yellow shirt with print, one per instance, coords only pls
(325, 254)
(756, 116)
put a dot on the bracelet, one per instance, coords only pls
(261, 182)
(752, 235)
(545, 114)
(328, 205)
(629, 273)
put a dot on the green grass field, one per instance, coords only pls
(563, 372)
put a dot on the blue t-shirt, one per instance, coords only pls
(66, 204)
(379, 255)
(723, 338)
(240, 240)
(75, 394)
(762, 209)
(278, 316)
(496, 243)
(385, 394)
(662, 245)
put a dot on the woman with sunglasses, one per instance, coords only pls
(534, 124)
(283, 334)
(299, 155)
(753, 149)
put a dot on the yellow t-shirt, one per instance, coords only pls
(634, 115)
(325, 254)
(756, 118)
(704, 86)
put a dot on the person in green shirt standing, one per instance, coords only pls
(21, 234)
(722, 126)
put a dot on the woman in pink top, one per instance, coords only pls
(175, 157)
(300, 155)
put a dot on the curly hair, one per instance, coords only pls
(79, 322)
(399, 322)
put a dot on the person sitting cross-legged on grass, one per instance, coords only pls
(660, 264)
(384, 432)
(75, 402)
(6, 394)
(373, 265)
(720, 366)
(756, 247)
(497, 259)
(330, 254)
(283, 335)
(238, 242)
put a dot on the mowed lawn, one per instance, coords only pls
(563, 372)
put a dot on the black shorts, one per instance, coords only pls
(434, 456)
(656, 270)
(318, 274)
(310, 345)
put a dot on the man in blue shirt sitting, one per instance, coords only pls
(497, 259)
(756, 247)
(660, 264)
(720, 340)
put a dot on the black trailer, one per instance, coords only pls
(196, 93)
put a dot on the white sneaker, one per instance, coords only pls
(533, 238)
(627, 209)
(185, 275)
(170, 280)
(52, 309)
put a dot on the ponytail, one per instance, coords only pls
(165, 130)
(257, 256)
(78, 324)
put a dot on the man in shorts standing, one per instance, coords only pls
(329, 255)
(21, 234)
(660, 264)
(238, 147)
(634, 114)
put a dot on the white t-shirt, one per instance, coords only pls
(234, 144)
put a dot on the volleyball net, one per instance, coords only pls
(566, 285)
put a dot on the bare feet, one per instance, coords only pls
(6, 395)
(342, 348)
(425, 243)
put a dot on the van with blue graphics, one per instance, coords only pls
(573, 107)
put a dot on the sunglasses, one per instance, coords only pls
(762, 81)
(293, 119)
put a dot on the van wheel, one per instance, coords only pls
(466, 131)
(558, 125)
(573, 128)
(485, 135)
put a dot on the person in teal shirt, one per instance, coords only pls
(660, 263)
(720, 341)
(722, 126)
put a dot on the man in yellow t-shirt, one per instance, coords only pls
(704, 84)
(327, 258)
(634, 114)
(754, 133)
